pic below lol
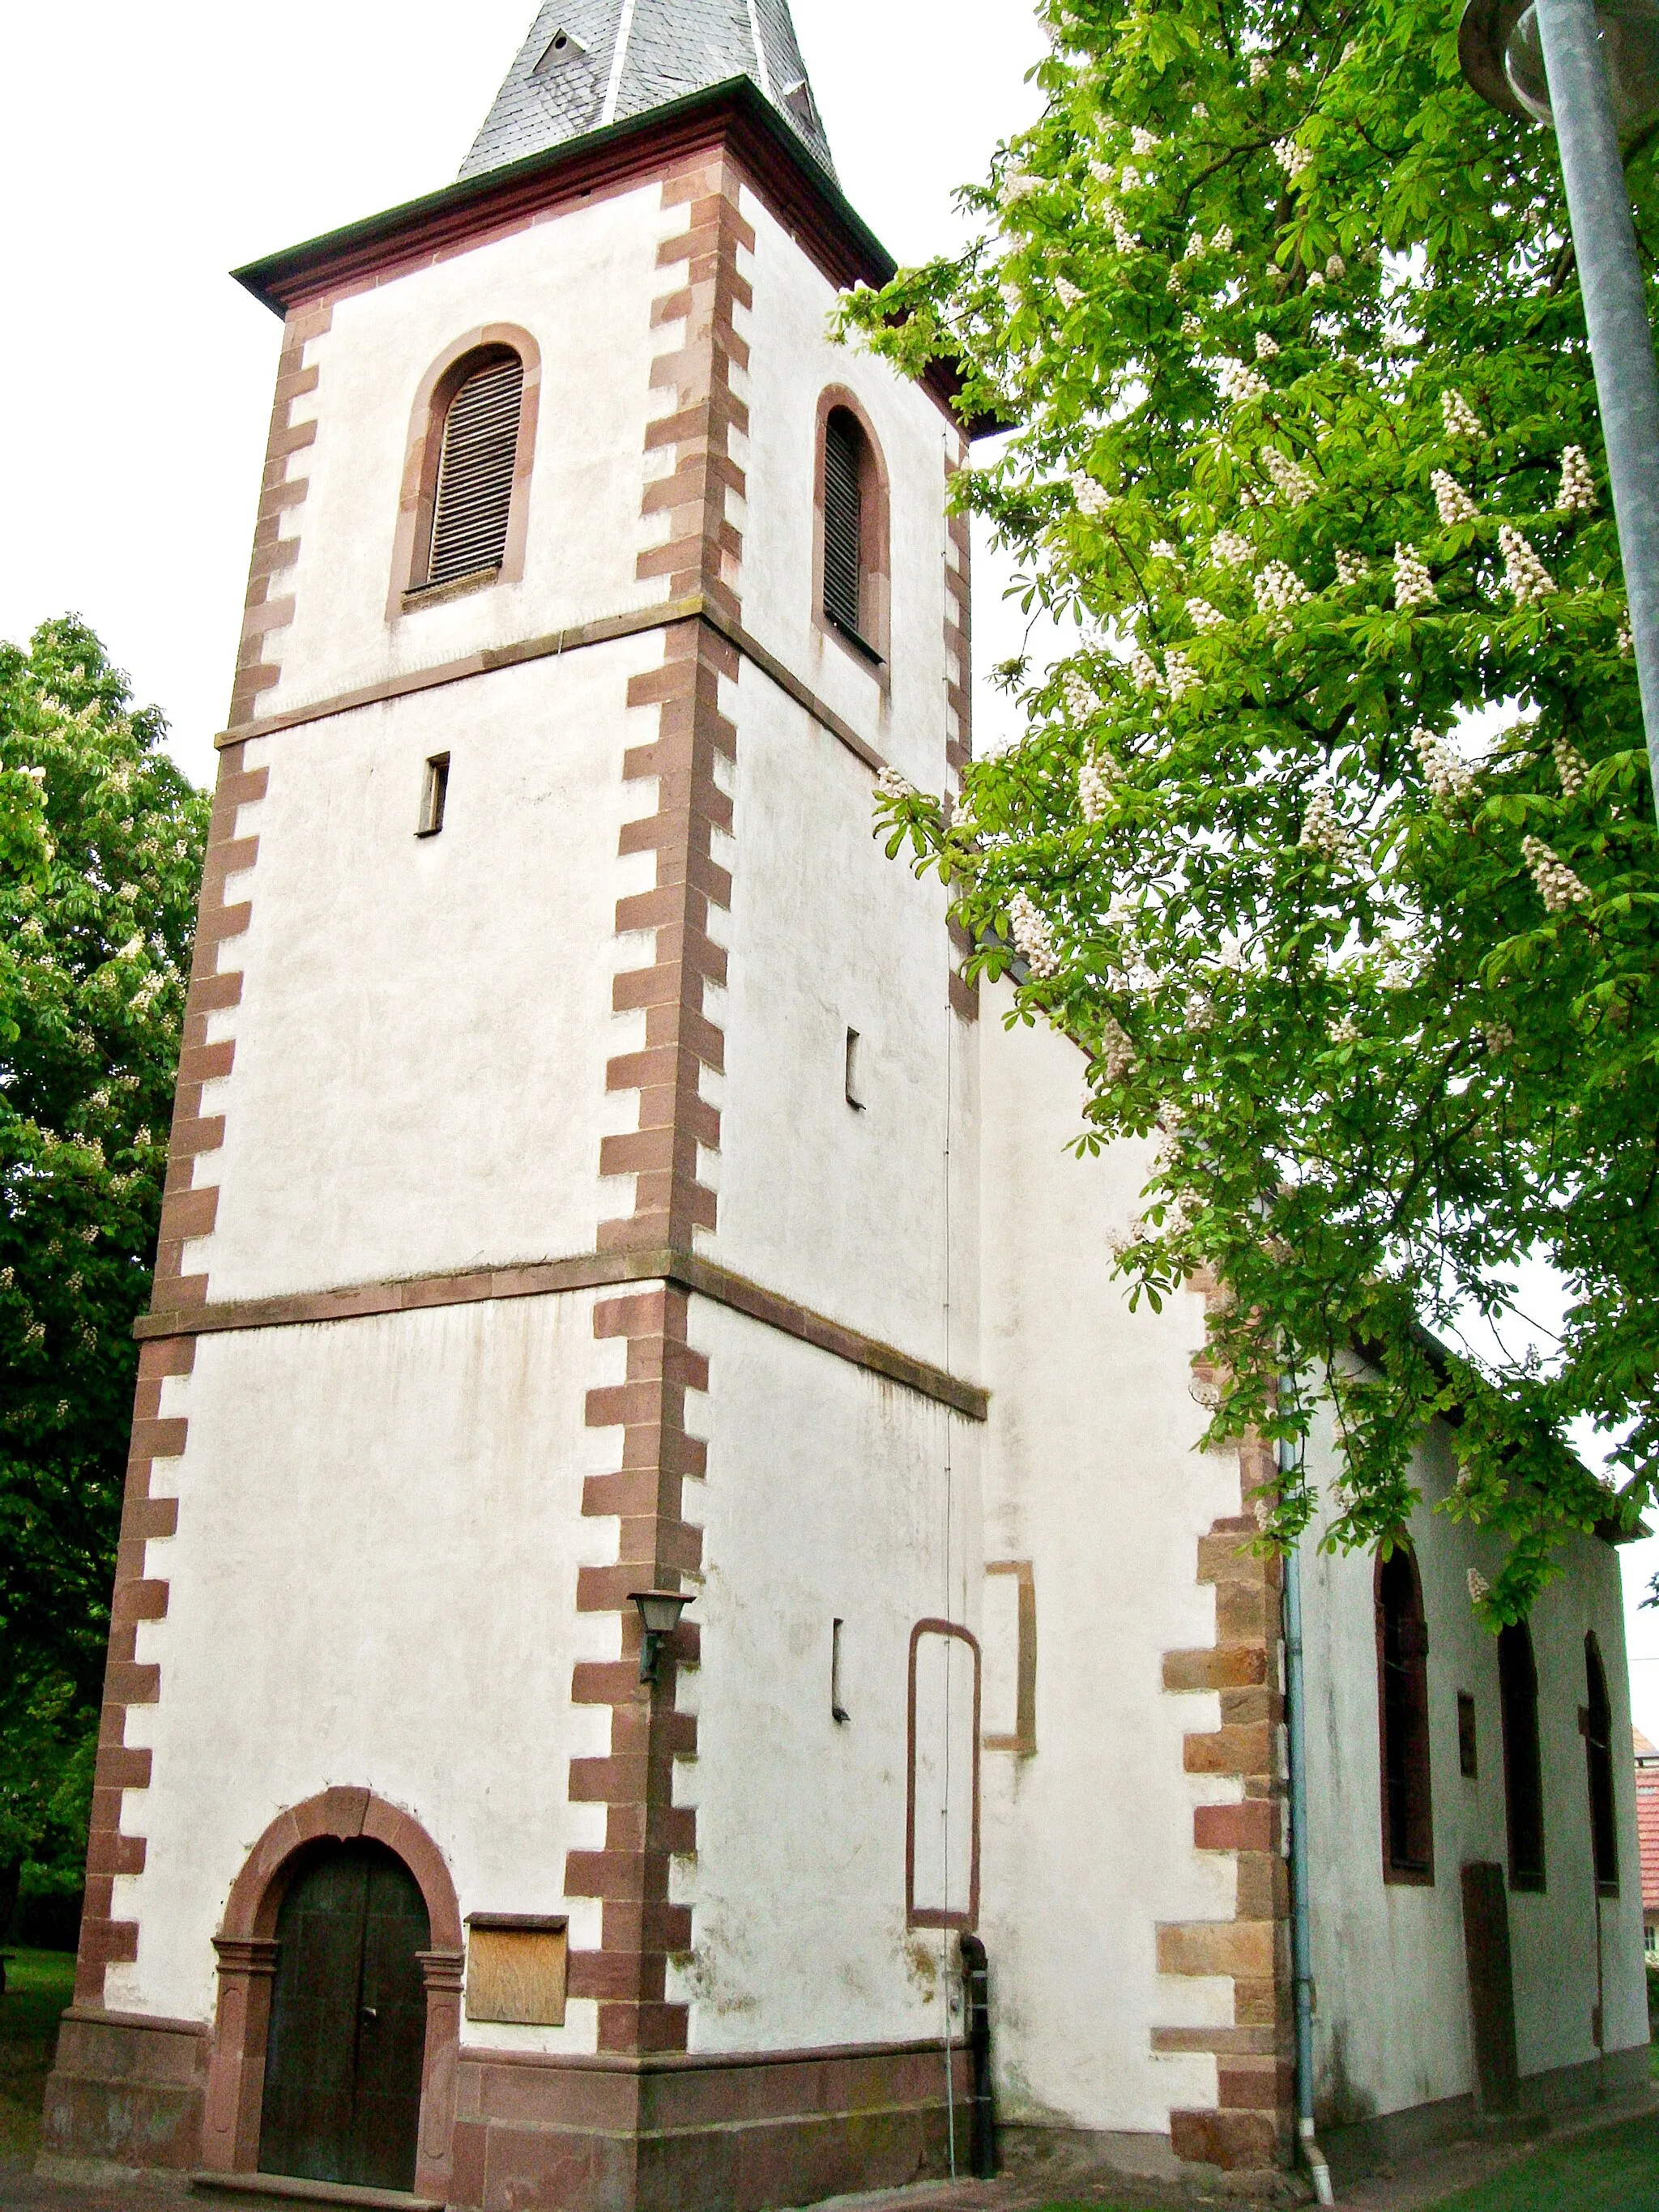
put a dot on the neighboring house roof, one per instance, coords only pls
(589, 63)
(1647, 1817)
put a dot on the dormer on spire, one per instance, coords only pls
(590, 63)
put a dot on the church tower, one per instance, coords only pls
(560, 1212)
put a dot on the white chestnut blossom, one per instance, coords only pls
(1557, 886)
(1292, 159)
(1222, 241)
(1266, 346)
(1414, 586)
(1315, 281)
(1459, 417)
(1143, 141)
(1143, 671)
(1079, 697)
(1180, 675)
(1018, 184)
(1092, 498)
(1345, 1031)
(1350, 568)
(1524, 573)
(1445, 771)
(1479, 1586)
(1117, 1052)
(1203, 615)
(1498, 1037)
(1570, 767)
(1239, 384)
(1122, 237)
(1323, 830)
(1230, 551)
(1261, 69)
(1278, 589)
(1032, 937)
(1191, 327)
(1160, 549)
(1292, 482)
(1336, 268)
(1070, 295)
(1452, 503)
(1094, 789)
(891, 785)
(1578, 493)
(1627, 642)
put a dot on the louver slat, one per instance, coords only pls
(842, 550)
(475, 476)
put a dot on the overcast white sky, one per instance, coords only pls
(146, 151)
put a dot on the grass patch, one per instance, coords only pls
(39, 1985)
(1615, 2170)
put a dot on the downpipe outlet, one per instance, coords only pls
(1315, 2157)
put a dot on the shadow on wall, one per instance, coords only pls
(1337, 2102)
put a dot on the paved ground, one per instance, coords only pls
(1418, 2186)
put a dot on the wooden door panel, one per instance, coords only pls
(348, 2027)
(1492, 1986)
(391, 2031)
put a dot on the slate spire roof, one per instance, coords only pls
(589, 63)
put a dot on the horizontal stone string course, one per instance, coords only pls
(694, 606)
(586, 1271)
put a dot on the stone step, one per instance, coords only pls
(257, 2189)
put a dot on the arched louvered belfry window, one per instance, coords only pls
(1403, 1698)
(1597, 1724)
(478, 461)
(853, 534)
(1523, 1769)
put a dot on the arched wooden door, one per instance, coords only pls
(347, 2022)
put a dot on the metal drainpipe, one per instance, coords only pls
(1300, 1903)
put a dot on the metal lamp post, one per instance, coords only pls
(1591, 68)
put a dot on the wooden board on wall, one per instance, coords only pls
(516, 1970)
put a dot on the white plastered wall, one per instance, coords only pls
(421, 1044)
(840, 1208)
(374, 1581)
(1393, 2024)
(581, 282)
(1092, 1475)
(826, 1498)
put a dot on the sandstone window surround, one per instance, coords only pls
(464, 508)
(852, 534)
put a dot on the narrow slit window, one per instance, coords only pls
(843, 521)
(1524, 1771)
(475, 470)
(1597, 1724)
(435, 796)
(855, 1094)
(837, 1701)
(1402, 1648)
(1468, 1746)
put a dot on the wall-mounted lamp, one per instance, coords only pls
(660, 1616)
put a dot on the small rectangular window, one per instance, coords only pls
(854, 1096)
(1468, 1759)
(435, 796)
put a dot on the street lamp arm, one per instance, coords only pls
(1615, 313)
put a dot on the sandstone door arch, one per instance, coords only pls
(341, 2092)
